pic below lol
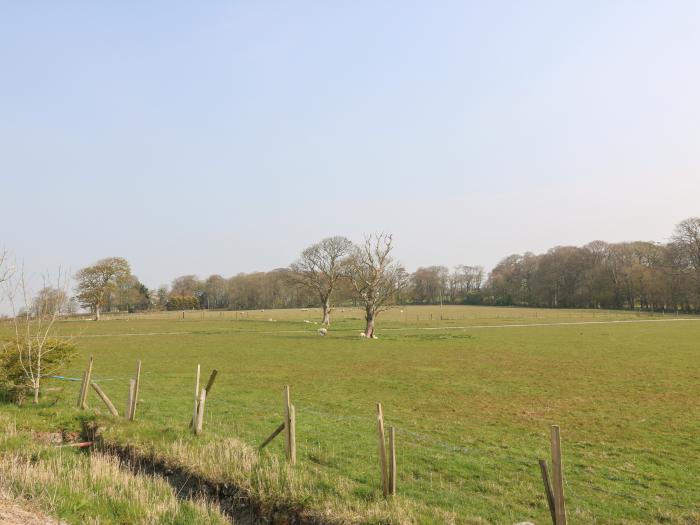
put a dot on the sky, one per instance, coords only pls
(225, 137)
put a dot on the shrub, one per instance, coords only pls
(183, 302)
(15, 365)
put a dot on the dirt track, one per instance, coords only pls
(11, 513)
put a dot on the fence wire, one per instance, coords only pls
(362, 428)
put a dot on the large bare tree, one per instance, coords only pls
(96, 281)
(320, 267)
(375, 277)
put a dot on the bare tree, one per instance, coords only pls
(49, 300)
(687, 237)
(97, 281)
(215, 292)
(5, 270)
(320, 267)
(159, 297)
(375, 277)
(34, 351)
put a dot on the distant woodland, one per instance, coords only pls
(630, 275)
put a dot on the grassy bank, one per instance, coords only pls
(89, 487)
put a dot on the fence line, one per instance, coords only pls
(418, 440)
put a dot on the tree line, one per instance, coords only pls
(645, 275)
(332, 270)
(630, 275)
(319, 278)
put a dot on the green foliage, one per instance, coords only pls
(183, 302)
(96, 282)
(56, 355)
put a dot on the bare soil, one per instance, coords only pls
(14, 513)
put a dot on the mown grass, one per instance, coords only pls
(472, 406)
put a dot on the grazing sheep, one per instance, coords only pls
(362, 334)
(322, 331)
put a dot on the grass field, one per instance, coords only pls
(472, 397)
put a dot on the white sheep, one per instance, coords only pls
(363, 335)
(322, 331)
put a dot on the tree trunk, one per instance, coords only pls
(37, 382)
(326, 313)
(369, 326)
(97, 312)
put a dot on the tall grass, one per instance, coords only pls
(91, 487)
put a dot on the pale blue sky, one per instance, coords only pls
(220, 137)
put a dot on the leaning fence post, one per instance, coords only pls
(548, 490)
(272, 436)
(558, 478)
(382, 450)
(104, 398)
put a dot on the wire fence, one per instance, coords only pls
(359, 432)
(407, 313)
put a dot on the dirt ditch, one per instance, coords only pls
(232, 500)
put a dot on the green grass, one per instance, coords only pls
(472, 401)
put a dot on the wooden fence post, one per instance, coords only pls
(548, 490)
(200, 412)
(196, 396)
(130, 399)
(292, 435)
(104, 398)
(558, 478)
(272, 436)
(135, 399)
(85, 385)
(382, 450)
(392, 461)
(80, 394)
(289, 428)
(210, 384)
(88, 378)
